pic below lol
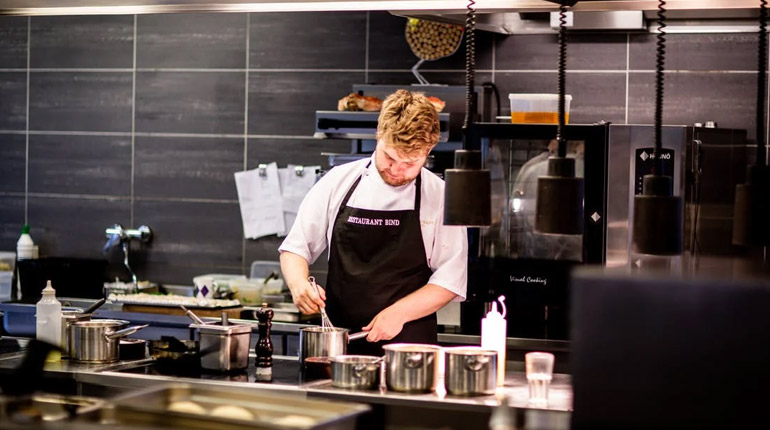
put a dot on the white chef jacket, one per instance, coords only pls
(446, 247)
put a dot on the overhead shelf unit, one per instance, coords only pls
(359, 125)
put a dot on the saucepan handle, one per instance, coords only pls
(359, 335)
(125, 332)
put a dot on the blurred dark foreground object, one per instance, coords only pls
(662, 353)
(26, 379)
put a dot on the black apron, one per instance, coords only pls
(376, 258)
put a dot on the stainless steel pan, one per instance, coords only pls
(96, 341)
(325, 342)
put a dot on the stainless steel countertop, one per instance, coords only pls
(109, 375)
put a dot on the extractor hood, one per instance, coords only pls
(409, 7)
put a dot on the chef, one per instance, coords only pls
(392, 262)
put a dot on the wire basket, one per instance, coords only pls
(431, 41)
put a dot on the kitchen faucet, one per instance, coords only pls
(117, 235)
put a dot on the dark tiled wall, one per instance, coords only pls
(144, 119)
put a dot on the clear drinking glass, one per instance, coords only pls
(539, 367)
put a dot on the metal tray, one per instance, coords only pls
(269, 410)
(44, 407)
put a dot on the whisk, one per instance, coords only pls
(326, 323)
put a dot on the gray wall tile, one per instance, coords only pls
(191, 40)
(696, 51)
(13, 156)
(190, 102)
(82, 41)
(191, 234)
(187, 167)
(388, 48)
(285, 103)
(266, 249)
(728, 99)
(441, 78)
(541, 52)
(13, 100)
(305, 152)
(13, 42)
(88, 101)
(595, 96)
(11, 222)
(99, 165)
(65, 227)
(308, 40)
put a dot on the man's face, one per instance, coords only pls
(395, 168)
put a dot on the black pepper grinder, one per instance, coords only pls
(264, 347)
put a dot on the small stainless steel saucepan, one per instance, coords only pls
(325, 342)
(356, 372)
(96, 341)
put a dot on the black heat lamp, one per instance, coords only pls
(657, 228)
(559, 206)
(467, 194)
(751, 225)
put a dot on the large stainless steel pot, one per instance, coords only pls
(358, 372)
(470, 371)
(96, 341)
(411, 367)
(324, 342)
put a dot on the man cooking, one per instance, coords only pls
(392, 262)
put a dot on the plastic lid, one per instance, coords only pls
(48, 289)
(25, 229)
(537, 96)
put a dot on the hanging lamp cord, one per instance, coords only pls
(470, 62)
(761, 83)
(660, 61)
(561, 138)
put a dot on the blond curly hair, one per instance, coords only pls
(409, 123)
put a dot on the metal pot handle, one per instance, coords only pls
(474, 364)
(359, 369)
(124, 332)
(413, 360)
(359, 335)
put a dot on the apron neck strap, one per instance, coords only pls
(417, 191)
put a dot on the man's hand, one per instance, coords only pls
(385, 326)
(306, 298)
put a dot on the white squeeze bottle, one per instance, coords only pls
(493, 333)
(48, 316)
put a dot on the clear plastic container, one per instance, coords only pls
(537, 108)
(7, 264)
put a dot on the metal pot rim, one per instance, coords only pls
(105, 323)
(470, 350)
(319, 329)
(356, 359)
(412, 347)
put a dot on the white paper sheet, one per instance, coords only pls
(288, 217)
(293, 190)
(260, 201)
(297, 186)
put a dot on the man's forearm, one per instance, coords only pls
(425, 301)
(295, 269)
